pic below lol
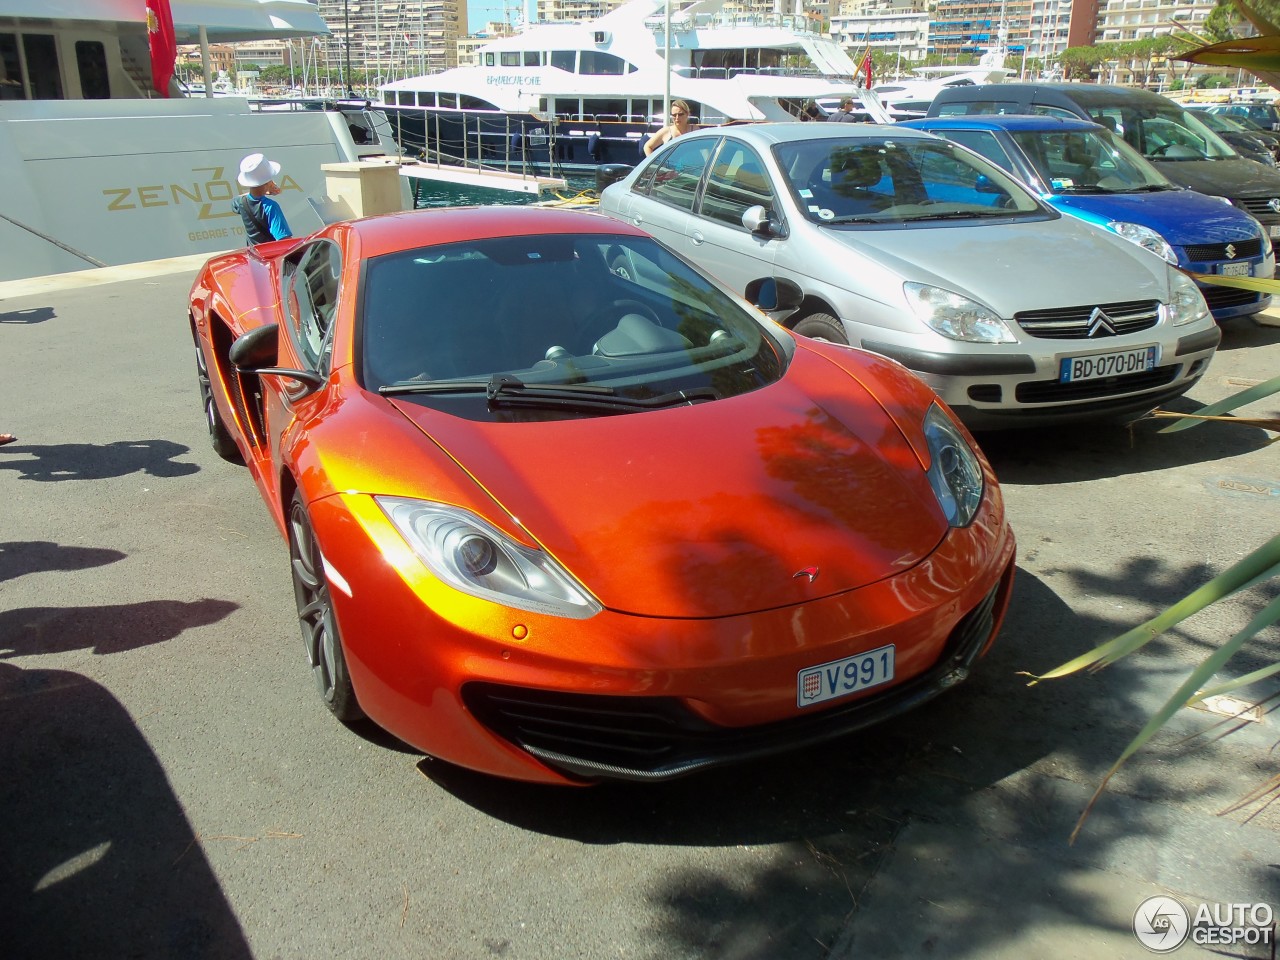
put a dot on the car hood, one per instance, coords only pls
(1182, 217)
(1012, 267)
(1230, 177)
(715, 509)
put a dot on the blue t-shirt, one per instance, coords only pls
(263, 219)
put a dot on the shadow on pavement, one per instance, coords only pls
(97, 461)
(1005, 766)
(20, 557)
(99, 860)
(32, 315)
(104, 629)
(1071, 454)
(1245, 333)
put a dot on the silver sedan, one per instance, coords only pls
(906, 245)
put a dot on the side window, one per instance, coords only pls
(980, 141)
(1044, 110)
(676, 177)
(312, 301)
(737, 181)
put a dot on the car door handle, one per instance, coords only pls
(697, 237)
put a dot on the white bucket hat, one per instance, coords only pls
(256, 170)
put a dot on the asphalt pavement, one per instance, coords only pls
(172, 786)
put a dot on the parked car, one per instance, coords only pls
(1173, 138)
(560, 522)
(920, 250)
(1252, 144)
(1083, 170)
(1265, 115)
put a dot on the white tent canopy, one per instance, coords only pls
(227, 21)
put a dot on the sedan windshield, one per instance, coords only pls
(557, 325)
(1088, 161)
(888, 180)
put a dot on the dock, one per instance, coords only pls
(473, 176)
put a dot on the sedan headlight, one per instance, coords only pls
(1187, 303)
(955, 316)
(1146, 238)
(477, 558)
(954, 471)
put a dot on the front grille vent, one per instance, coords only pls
(1244, 249)
(1074, 323)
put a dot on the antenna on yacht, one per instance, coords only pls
(666, 56)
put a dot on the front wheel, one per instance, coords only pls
(316, 618)
(219, 435)
(822, 326)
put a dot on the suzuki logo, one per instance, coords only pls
(1231, 251)
(810, 572)
(1274, 204)
(1100, 324)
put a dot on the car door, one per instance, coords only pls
(664, 197)
(736, 180)
(310, 280)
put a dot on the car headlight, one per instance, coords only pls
(477, 558)
(1146, 238)
(954, 471)
(1186, 305)
(1266, 241)
(955, 316)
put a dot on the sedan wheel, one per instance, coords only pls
(219, 435)
(315, 617)
(822, 326)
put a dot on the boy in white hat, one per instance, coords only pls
(263, 219)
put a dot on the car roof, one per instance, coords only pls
(1001, 121)
(422, 228)
(768, 134)
(983, 91)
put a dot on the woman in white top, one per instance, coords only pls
(679, 124)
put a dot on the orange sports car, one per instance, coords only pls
(561, 508)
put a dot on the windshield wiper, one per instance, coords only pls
(853, 218)
(505, 389)
(957, 215)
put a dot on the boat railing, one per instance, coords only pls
(796, 23)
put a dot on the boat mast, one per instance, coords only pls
(666, 56)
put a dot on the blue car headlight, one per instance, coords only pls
(954, 471)
(1146, 238)
(477, 558)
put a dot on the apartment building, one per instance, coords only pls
(898, 27)
(393, 39)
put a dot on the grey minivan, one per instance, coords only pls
(918, 249)
(1171, 137)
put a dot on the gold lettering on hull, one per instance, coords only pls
(211, 195)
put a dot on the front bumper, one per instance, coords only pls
(1011, 389)
(428, 664)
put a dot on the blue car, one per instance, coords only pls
(1085, 171)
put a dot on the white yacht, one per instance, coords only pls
(589, 93)
(910, 98)
(99, 170)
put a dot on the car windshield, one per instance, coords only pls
(891, 180)
(1159, 129)
(1088, 161)
(557, 325)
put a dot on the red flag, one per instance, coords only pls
(865, 68)
(163, 43)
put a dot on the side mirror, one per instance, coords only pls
(258, 350)
(756, 219)
(985, 184)
(774, 294)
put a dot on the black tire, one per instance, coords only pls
(316, 618)
(219, 435)
(822, 326)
